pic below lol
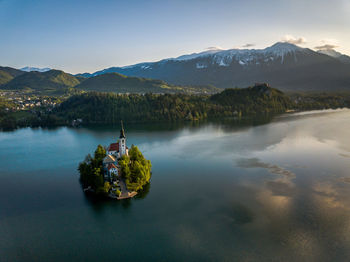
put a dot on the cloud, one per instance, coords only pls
(325, 47)
(256, 163)
(294, 40)
(248, 45)
(214, 48)
(327, 44)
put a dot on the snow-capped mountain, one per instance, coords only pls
(246, 56)
(330, 52)
(30, 69)
(333, 53)
(283, 65)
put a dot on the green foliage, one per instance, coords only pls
(124, 165)
(110, 108)
(104, 189)
(91, 172)
(96, 108)
(258, 99)
(100, 153)
(8, 73)
(5, 77)
(117, 83)
(135, 169)
(8, 122)
(52, 82)
(316, 101)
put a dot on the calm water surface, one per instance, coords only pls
(278, 191)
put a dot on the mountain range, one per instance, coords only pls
(57, 82)
(283, 65)
(50, 82)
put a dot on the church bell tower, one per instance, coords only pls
(122, 141)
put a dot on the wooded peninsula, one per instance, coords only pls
(91, 108)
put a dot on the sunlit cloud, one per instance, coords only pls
(327, 44)
(326, 47)
(248, 45)
(213, 48)
(294, 40)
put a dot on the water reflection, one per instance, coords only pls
(220, 191)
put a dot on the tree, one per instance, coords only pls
(100, 153)
(135, 169)
(91, 171)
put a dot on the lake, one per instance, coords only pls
(267, 190)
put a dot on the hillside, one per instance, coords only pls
(8, 73)
(117, 83)
(285, 65)
(50, 82)
(96, 107)
(259, 98)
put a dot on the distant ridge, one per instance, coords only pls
(117, 83)
(290, 67)
(57, 82)
(8, 73)
(53, 81)
(30, 69)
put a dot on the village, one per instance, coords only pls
(21, 101)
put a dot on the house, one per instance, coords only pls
(112, 169)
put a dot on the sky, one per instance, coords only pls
(86, 36)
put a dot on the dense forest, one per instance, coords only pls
(109, 108)
(95, 108)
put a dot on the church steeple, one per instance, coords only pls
(122, 141)
(122, 132)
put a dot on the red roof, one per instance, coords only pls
(111, 166)
(114, 147)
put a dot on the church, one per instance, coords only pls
(115, 151)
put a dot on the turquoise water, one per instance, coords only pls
(223, 191)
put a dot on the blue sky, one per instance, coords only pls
(85, 36)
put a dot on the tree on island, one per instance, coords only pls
(135, 169)
(91, 172)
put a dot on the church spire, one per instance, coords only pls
(122, 133)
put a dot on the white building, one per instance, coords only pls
(122, 142)
(114, 152)
(120, 148)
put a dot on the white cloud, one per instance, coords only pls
(294, 40)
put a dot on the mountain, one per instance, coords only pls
(8, 73)
(117, 83)
(285, 65)
(49, 82)
(30, 69)
(331, 52)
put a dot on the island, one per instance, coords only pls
(115, 171)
